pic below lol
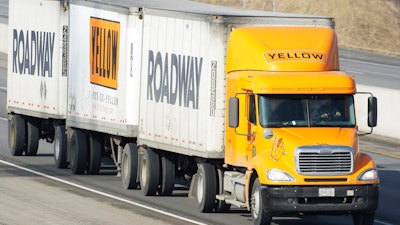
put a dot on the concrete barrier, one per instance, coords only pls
(388, 110)
(3, 38)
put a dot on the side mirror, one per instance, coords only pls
(233, 112)
(372, 111)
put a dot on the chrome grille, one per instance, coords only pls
(324, 160)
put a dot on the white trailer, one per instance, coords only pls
(37, 73)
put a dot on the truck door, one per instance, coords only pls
(251, 125)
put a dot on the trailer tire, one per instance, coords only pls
(94, 153)
(149, 172)
(257, 213)
(206, 187)
(363, 218)
(16, 135)
(78, 151)
(60, 147)
(32, 137)
(129, 166)
(167, 179)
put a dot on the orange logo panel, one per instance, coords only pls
(104, 52)
(302, 56)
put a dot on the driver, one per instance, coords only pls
(326, 112)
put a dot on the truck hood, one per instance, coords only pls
(294, 137)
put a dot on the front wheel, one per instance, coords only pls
(260, 217)
(363, 218)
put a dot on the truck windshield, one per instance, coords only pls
(306, 110)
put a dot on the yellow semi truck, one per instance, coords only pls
(292, 141)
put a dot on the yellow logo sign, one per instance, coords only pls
(302, 56)
(104, 52)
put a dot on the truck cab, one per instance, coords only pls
(292, 127)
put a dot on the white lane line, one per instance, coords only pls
(102, 193)
(383, 223)
(355, 72)
(3, 118)
(369, 63)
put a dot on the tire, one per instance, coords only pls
(129, 166)
(78, 150)
(167, 179)
(16, 135)
(206, 187)
(60, 147)
(257, 213)
(94, 153)
(221, 206)
(363, 218)
(149, 172)
(32, 137)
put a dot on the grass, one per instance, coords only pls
(372, 25)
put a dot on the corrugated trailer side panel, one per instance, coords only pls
(37, 73)
(175, 107)
(104, 71)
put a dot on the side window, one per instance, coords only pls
(252, 109)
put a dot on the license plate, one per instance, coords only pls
(326, 192)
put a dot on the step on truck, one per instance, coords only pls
(247, 108)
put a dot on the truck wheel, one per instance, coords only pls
(221, 206)
(32, 139)
(77, 149)
(60, 147)
(167, 179)
(149, 172)
(363, 218)
(95, 153)
(258, 214)
(206, 187)
(129, 166)
(16, 135)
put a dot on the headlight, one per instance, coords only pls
(371, 174)
(279, 175)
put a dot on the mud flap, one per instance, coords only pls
(193, 186)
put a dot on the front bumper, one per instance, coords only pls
(307, 199)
